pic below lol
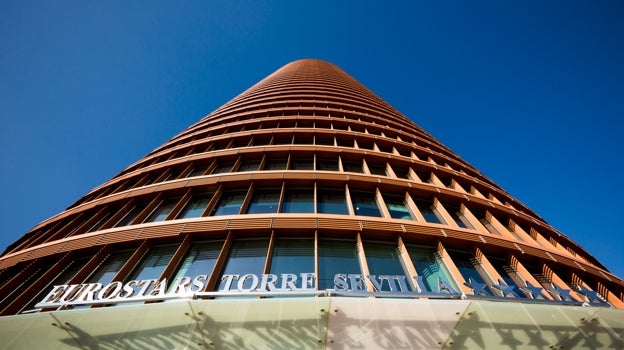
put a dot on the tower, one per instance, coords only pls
(306, 212)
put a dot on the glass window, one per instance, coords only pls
(293, 255)
(427, 210)
(100, 222)
(365, 144)
(247, 256)
(302, 163)
(249, 165)
(424, 177)
(344, 143)
(283, 140)
(163, 210)
(457, 216)
(364, 203)
(298, 200)
(230, 202)
(377, 169)
(470, 269)
(195, 206)
(324, 141)
(481, 215)
(62, 278)
(154, 263)
(275, 164)
(352, 166)
(397, 207)
(329, 164)
(303, 140)
(264, 200)
(198, 170)
(110, 267)
(131, 215)
(223, 167)
(383, 259)
(200, 260)
(331, 201)
(336, 256)
(509, 275)
(402, 173)
(430, 267)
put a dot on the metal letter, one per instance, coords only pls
(105, 293)
(340, 282)
(181, 285)
(241, 283)
(228, 281)
(307, 281)
(266, 284)
(288, 281)
(199, 283)
(357, 282)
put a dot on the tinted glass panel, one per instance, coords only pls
(302, 163)
(331, 201)
(298, 200)
(230, 202)
(198, 170)
(396, 207)
(364, 203)
(293, 255)
(249, 165)
(223, 167)
(352, 166)
(275, 164)
(426, 209)
(246, 257)
(196, 206)
(383, 259)
(429, 267)
(470, 268)
(163, 210)
(336, 256)
(200, 260)
(377, 169)
(330, 164)
(132, 214)
(264, 200)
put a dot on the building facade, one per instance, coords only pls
(304, 213)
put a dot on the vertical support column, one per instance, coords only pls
(493, 276)
(31, 291)
(559, 282)
(450, 265)
(363, 263)
(409, 266)
(526, 275)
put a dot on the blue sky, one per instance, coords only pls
(529, 92)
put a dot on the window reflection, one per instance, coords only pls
(293, 255)
(427, 210)
(383, 259)
(264, 200)
(230, 202)
(200, 260)
(430, 267)
(163, 210)
(331, 201)
(335, 256)
(196, 206)
(298, 200)
(247, 256)
(364, 203)
(397, 207)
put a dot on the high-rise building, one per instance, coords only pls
(304, 213)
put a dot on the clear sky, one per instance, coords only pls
(529, 92)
